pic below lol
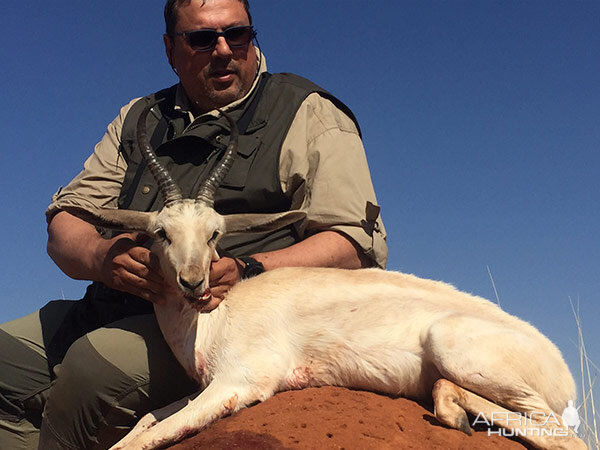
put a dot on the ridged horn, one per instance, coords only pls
(167, 187)
(208, 189)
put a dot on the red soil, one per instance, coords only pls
(338, 418)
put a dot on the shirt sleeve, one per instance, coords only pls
(99, 183)
(324, 170)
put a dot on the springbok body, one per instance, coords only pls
(370, 329)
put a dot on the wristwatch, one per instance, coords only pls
(252, 267)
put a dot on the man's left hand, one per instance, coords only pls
(224, 274)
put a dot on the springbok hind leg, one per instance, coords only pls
(477, 364)
(452, 402)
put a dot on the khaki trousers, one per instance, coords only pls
(107, 380)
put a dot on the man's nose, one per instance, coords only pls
(222, 48)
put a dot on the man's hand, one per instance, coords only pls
(129, 267)
(224, 273)
(120, 263)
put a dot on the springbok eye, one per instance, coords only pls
(161, 234)
(214, 236)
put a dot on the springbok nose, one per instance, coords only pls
(190, 284)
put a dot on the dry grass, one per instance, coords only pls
(590, 418)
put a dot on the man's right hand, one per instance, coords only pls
(129, 267)
(121, 263)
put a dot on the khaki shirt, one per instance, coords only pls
(323, 170)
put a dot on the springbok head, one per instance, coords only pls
(185, 231)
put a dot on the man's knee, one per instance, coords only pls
(24, 381)
(106, 382)
(24, 378)
(86, 392)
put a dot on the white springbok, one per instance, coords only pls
(370, 329)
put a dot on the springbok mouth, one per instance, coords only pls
(194, 301)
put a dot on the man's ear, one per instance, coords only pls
(168, 41)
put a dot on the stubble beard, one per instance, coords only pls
(220, 98)
(212, 97)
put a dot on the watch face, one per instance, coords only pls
(252, 271)
(253, 268)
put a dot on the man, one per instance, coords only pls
(95, 366)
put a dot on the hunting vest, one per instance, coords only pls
(190, 151)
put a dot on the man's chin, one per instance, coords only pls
(217, 94)
(224, 95)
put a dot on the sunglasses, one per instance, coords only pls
(206, 39)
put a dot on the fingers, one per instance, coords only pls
(212, 304)
(224, 274)
(219, 291)
(125, 278)
(145, 264)
(133, 269)
(225, 270)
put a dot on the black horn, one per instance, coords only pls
(170, 191)
(207, 191)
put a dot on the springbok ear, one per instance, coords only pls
(250, 223)
(114, 219)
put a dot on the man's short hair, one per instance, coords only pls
(171, 13)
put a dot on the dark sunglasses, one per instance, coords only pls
(206, 39)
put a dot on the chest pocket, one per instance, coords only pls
(237, 177)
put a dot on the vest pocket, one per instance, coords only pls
(247, 149)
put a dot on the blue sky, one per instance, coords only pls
(480, 122)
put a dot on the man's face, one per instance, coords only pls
(214, 78)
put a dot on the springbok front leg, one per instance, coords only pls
(188, 416)
(150, 420)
